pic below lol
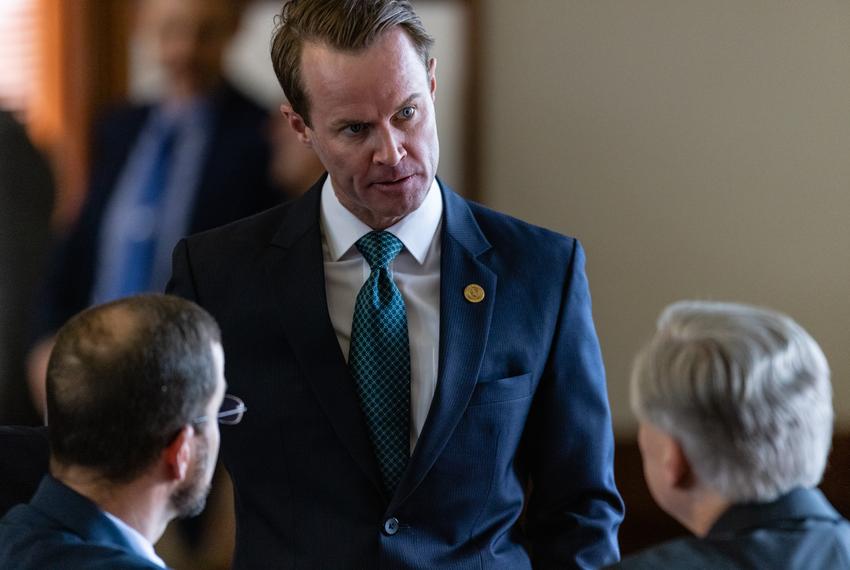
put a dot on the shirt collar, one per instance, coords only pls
(416, 230)
(140, 543)
(193, 112)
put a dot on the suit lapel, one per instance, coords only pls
(296, 270)
(464, 328)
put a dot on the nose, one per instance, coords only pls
(389, 150)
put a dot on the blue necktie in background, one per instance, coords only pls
(140, 250)
(379, 358)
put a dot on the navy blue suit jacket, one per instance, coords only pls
(520, 402)
(60, 528)
(798, 531)
(233, 184)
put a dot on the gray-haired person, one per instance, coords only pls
(735, 411)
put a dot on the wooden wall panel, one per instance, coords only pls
(83, 54)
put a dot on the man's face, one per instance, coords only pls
(190, 497)
(650, 443)
(190, 37)
(656, 447)
(372, 125)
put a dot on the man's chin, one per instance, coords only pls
(399, 203)
(190, 502)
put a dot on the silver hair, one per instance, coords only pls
(745, 391)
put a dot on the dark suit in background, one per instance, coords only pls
(24, 457)
(60, 528)
(520, 396)
(233, 184)
(798, 531)
(26, 202)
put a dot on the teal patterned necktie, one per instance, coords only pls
(379, 358)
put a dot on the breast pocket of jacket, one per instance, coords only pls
(501, 390)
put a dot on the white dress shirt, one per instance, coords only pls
(141, 545)
(416, 273)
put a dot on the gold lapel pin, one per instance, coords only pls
(474, 293)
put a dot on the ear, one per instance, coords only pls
(178, 454)
(677, 469)
(297, 123)
(432, 77)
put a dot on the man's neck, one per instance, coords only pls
(140, 503)
(180, 91)
(704, 511)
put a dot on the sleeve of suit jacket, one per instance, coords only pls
(574, 509)
(182, 282)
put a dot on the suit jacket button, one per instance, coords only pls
(391, 526)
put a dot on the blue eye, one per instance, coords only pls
(407, 113)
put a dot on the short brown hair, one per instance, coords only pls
(124, 378)
(345, 25)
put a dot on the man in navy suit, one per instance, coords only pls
(196, 159)
(735, 410)
(426, 383)
(134, 393)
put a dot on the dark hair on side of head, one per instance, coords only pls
(124, 378)
(345, 25)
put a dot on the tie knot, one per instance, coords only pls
(379, 248)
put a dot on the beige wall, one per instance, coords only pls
(697, 148)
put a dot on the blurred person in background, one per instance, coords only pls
(294, 167)
(735, 410)
(24, 459)
(26, 202)
(196, 159)
(134, 395)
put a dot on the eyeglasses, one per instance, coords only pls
(231, 411)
